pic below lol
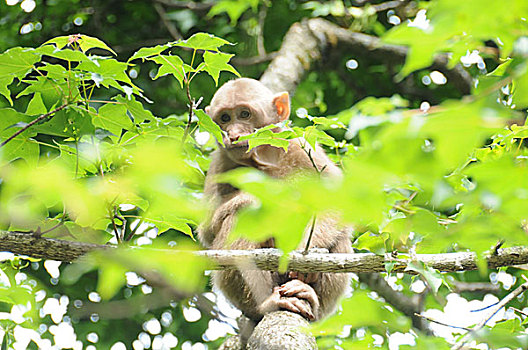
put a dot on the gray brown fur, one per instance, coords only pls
(253, 291)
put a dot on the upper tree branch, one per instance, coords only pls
(268, 259)
(309, 41)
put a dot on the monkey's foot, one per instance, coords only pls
(301, 291)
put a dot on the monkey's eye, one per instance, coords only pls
(224, 118)
(244, 114)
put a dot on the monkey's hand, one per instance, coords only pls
(275, 302)
(302, 291)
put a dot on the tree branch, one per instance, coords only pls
(33, 122)
(307, 42)
(268, 259)
(493, 310)
(282, 330)
(171, 28)
(409, 306)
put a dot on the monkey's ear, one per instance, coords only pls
(282, 105)
(207, 110)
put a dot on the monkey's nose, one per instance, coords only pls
(234, 137)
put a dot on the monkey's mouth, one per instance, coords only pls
(239, 145)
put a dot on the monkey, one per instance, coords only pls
(240, 107)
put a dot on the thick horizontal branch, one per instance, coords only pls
(310, 41)
(268, 259)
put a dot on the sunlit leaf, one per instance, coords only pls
(203, 41)
(145, 52)
(170, 65)
(85, 42)
(217, 62)
(207, 124)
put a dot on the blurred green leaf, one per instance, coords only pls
(372, 311)
(233, 8)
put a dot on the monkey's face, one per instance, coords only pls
(240, 107)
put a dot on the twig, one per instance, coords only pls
(520, 311)
(248, 61)
(260, 32)
(169, 25)
(191, 107)
(440, 323)
(518, 291)
(33, 122)
(310, 235)
(478, 287)
(487, 307)
(388, 5)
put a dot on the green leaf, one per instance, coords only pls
(17, 62)
(146, 52)
(520, 87)
(36, 105)
(170, 65)
(207, 124)
(165, 221)
(432, 277)
(106, 71)
(70, 122)
(114, 118)
(264, 136)
(21, 146)
(52, 92)
(111, 279)
(66, 54)
(372, 311)
(135, 108)
(203, 41)
(4, 90)
(217, 62)
(85, 42)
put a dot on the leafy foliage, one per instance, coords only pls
(87, 156)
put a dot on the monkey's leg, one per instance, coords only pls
(247, 290)
(330, 287)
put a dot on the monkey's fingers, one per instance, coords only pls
(291, 288)
(301, 290)
(309, 297)
(297, 306)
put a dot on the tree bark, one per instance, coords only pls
(282, 330)
(268, 259)
(308, 42)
